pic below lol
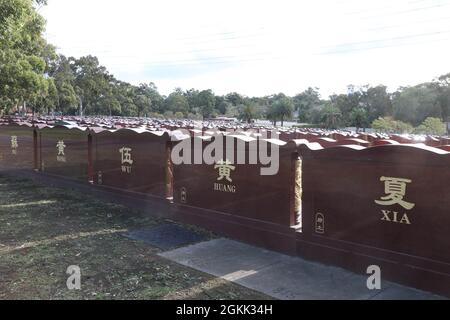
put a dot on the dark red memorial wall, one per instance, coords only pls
(63, 151)
(243, 191)
(386, 205)
(131, 160)
(235, 199)
(17, 143)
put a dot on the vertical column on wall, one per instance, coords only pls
(90, 160)
(298, 190)
(41, 168)
(169, 171)
(35, 150)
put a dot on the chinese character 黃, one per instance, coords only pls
(225, 169)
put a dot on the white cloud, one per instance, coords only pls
(258, 47)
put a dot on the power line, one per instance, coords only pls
(381, 47)
(390, 39)
(167, 62)
(408, 24)
(202, 62)
(406, 11)
(222, 35)
(372, 9)
(105, 53)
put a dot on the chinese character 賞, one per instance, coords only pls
(395, 189)
(225, 169)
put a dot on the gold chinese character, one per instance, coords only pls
(60, 145)
(395, 189)
(126, 155)
(14, 144)
(225, 168)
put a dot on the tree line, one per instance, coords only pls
(35, 76)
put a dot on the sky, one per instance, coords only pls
(257, 47)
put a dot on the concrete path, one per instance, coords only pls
(281, 276)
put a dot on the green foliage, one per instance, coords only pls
(177, 102)
(280, 109)
(376, 101)
(415, 104)
(168, 114)
(207, 101)
(359, 118)
(32, 73)
(389, 125)
(178, 115)
(305, 102)
(247, 112)
(432, 126)
(330, 116)
(156, 115)
(235, 98)
(21, 54)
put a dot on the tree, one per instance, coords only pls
(415, 104)
(153, 100)
(272, 114)
(359, 118)
(193, 100)
(247, 112)
(60, 70)
(222, 105)
(178, 115)
(331, 116)
(442, 85)
(143, 99)
(48, 101)
(305, 102)
(377, 102)
(235, 98)
(168, 114)
(346, 103)
(21, 54)
(385, 125)
(177, 102)
(207, 101)
(284, 108)
(389, 125)
(92, 83)
(432, 126)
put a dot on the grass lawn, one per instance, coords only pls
(43, 230)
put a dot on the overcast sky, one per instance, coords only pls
(257, 47)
